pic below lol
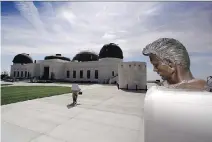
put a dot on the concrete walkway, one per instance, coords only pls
(104, 114)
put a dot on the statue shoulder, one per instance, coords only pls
(194, 84)
(198, 83)
(201, 81)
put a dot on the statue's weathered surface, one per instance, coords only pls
(171, 61)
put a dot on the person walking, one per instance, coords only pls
(75, 90)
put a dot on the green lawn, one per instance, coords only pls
(13, 94)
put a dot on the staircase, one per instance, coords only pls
(114, 79)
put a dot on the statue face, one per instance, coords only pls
(162, 69)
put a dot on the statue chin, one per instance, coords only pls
(163, 78)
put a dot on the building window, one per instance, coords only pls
(74, 74)
(28, 75)
(88, 74)
(81, 73)
(112, 73)
(25, 73)
(18, 74)
(129, 65)
(96, 74)
(67, 74)
(22, 73)
(14, 73)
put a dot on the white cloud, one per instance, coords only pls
(109, 36)
(47, 9)
(74, 27)
(30, 12)
(71, 27)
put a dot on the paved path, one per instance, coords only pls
(104, 114)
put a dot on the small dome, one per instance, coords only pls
(85, 56)
(22, 58)
(57, 56)
(111, 50)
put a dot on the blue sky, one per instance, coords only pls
(44, 28)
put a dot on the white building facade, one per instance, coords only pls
(107, 70)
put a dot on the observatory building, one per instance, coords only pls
(106, 67)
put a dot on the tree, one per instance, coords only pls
(4, 74)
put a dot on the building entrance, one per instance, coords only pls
(46, 73)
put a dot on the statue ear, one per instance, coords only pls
(171, 68)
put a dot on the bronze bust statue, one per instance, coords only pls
(171, 61)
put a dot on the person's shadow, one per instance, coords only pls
(71, 105)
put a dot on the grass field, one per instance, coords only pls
(13, 94)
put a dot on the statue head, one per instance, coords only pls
(169, 58)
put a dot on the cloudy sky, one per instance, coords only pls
(44, 28)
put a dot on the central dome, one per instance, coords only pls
(85, 56)
(57, 56)
(22, 58)
(111, 50)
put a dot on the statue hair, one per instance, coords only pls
(169, 50)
